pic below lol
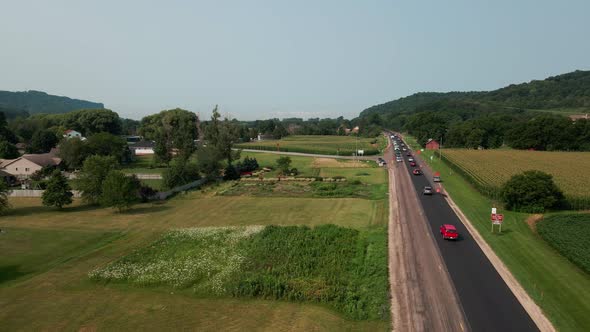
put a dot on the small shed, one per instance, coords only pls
(432, 145)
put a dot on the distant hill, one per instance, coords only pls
(11, 113)
(571, 90)
(34, 102)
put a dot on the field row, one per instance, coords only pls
(494, 167)
(330, 145)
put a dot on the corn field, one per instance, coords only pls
(488, 170)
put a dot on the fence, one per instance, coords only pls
(36, 193)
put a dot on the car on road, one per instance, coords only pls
(427, 190)
(436, 179)
(413, 163)
(410, 159)
(416, 171)
(409, 154)
(398, 159)
(449, 232)
(404, 149)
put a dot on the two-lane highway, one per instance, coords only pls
(488, 303)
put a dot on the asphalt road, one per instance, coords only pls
(422, 293)
(488, 303)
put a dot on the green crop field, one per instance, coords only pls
(331, 145)
(570, 235)
(50, 256)
(558, 286)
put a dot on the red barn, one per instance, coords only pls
(432, 145)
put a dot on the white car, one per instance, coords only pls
(410, 159)
(399, 159)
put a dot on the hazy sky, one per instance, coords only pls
(263, 59)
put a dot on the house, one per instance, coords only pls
(432, 144)
(24, 166)
(70, 133)
(575, 117)
(265, 137)
(142, 148)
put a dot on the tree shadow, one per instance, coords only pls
(32, 210)
(10, 272)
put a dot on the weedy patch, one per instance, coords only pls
(201, 258)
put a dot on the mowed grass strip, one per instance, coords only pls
(28, 252)
(340, 267)
(331, 145)
(560, 288)
(495, 167)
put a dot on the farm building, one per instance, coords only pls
(142, 148)
(432, 145)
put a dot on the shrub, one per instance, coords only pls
(531, 191)
(145, 193)
(247, 165)
(231, 173)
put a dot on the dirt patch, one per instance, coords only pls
(533, 220)
(335, 163)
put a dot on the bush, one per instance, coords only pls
(180, 173)
(231, 173)
(145, 193)
(247, 165)
(531, 191)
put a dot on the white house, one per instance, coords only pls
(142, 148)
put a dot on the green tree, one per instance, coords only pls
(174, 132)
(4, 204)
(58, 192)
(43, 141)
(221, 135)
(106, 144)
(8, 150)
(73, 151)
(119, 191)
(93, 174)
(180, 172)
(209, 162)
(284, 164)
(531, 191)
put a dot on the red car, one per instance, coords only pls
(412, 163)
(449, 232)
(416, 171)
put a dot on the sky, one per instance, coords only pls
(275, 59)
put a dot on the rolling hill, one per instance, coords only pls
(34, 102)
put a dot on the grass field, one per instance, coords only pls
(495, 167)
(331, 145)
(143, 165)
(46, 284)
(560, 288)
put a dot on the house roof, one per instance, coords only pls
(143, 144)
(71, 131)
(41, 159)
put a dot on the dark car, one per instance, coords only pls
(427, 190)
(436, 179)
(412, 163)
(416, 171)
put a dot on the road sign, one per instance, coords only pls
(493, 210)
(493, 217)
